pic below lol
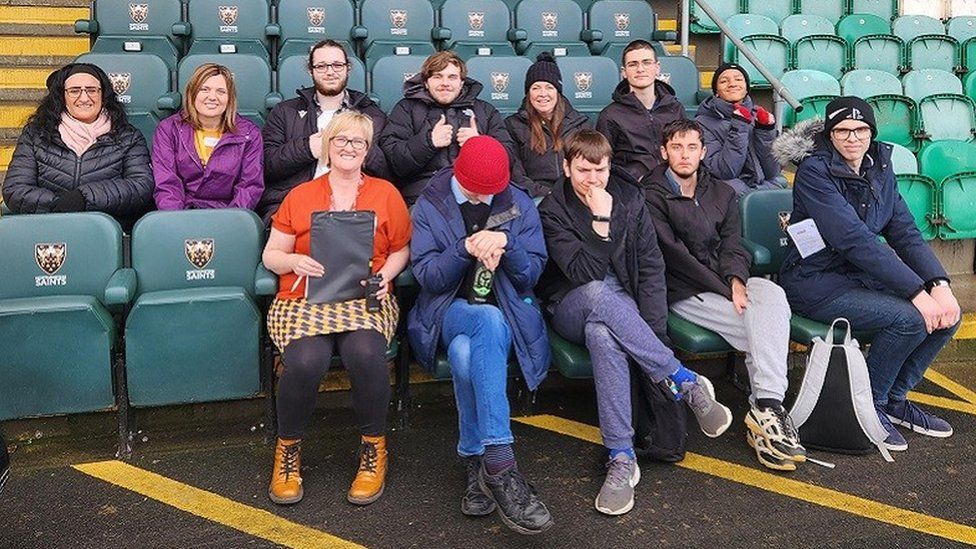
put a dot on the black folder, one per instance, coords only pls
(343, 243)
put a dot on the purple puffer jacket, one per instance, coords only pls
(233, 178)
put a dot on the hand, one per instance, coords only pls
(303, 265)
(384, 286)
(742, 112)
(599, 201)
(441, 134)
(950, 307)
(492, 260)
(483, 243)
(69, 201)
(740, 297)
(764, 117)
(467, 132)
(315, 144)
(930, 309)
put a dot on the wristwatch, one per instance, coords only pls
(938, 282)
(601, 218)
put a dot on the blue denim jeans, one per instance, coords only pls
(478, 339)
(901, 350)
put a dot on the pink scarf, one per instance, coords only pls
(78, 136)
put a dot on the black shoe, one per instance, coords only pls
(475, 502)
(4, 463)
(517, 502)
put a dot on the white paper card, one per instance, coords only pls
(211, 141)
(806, 237)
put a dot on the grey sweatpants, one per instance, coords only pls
(762, 331)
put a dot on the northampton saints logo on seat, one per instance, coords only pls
(398, 18)
(50, 257)
(583, 80)
(138, 12)
(316, 16)
(199, 252)
(476, 20)
(784, 220)
(120, 81)
(499, 81)
(622, 20)
(227, 14)
(550, 20)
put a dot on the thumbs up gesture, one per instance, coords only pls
(467, 132)
(441, 134)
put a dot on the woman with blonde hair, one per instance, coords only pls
(308, 333)
(208, 155)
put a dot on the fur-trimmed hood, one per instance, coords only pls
(798, 143)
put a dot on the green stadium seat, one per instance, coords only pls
(252, 78)
(959, 206)
(682, 73)
(502, 79)
(774, 51)
(588, 82)
(903, 161)
(62, 276)
(962, 27)
(832, 10)
(908, 27)
(146, 124)
(615, 52)
(867, 82)
(703, 24)
(744, 25)
(572, 360)
(961, 8)
(620, 22)
(885, 9)
(140, 80)
(933, 51)
(477, 27)
(194, 331)
(824, 53)
(813, 107)
(969, 85)
(922, 83)
(293, 75)
(777, 10)
(947, 116)
(555, 25)
(305, 22)
(941, 159)
(808, 84)
(120, 26)
(798, 26)
(243, 28)
(396, 27)
(857, 25)
(897, 119)
(881, 52)
(919, 193)
(388, 75)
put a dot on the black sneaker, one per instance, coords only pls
(4, 463)
(516, 500)
(475, 502)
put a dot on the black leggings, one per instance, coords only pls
(307, 359)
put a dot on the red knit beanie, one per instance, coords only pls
(482, 165)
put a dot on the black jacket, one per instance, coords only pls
(540, 171)
(114, 174)
(635, 133)
(287, 160)
(699, 236)
(406, 140)
(577, 255)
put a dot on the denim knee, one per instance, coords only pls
(908, 321)
(459, 357)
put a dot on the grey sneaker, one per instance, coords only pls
(616, 497)
(713, 417)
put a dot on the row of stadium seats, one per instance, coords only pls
(372, 29)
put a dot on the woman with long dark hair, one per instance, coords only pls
(79, 153)
(541, 125)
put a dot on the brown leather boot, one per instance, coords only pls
(286, 478)
(367, 487)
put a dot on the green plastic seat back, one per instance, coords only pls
(868, 82)
(548, 24)
(162, 48)
(934, 51)
(703, 24)
(948, 116)
(919, 194)
(588, 82)
(799, 25)
(822, 53)
(476, 21)
(884, 9)
(765, 216)
(959, 206)
(179, 250)
(777, 10)
(222, 22)
(388, 75)
(747, 24)
(252, 78)
(502, 80)
(940, 159)
(682, 73)
(832, 10)
(903, 161)
(774, 51)
(138, 79)
(962, 28)
(856, 25)
(621, 21)
(305, 22)
(293, 75)
(807, 83)
(921, 83)
(907, 27)
(969, 85)
(813, 107)
(137, 21)
(881, 52)
(146, 124)
(396, 22)
(896, 117)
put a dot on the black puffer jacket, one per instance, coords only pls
(406, 140)
(287, 160)
(541, 171)
(114, 175)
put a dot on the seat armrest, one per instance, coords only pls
(359, 32)
(272, 29)
(760, 254)
(182, 29)
(517, 35)
(405, 279)
(438, 34)
(265, 282)
(665, 36)
(169, 101)
(591, 35)
(272, 99)
(86, 26)
(121, 287)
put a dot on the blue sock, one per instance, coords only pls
(614, 452)
(682, 375)
(498, 457)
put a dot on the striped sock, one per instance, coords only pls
(498, 457)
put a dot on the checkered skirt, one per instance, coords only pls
(290, 319)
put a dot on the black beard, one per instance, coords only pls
(331, 92)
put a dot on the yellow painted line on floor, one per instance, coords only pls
(67, 46)
(15, 116)
(967, 330)
(943, 402)
(810, 493)
(23, 78)
(255, 522)
(42, 15)
(6, 153)
(955, 388)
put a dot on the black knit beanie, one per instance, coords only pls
(544, 70)
(725, 67)
(58, 77)
(849, 108)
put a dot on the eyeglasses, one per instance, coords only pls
(843, 134)
(646, 63)
(75, 92)
(358, 143)
(324, 67)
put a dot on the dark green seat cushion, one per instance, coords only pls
(693, 338)
(804, 330)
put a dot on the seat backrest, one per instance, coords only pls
(388, 75)
(969, 85)
(931, 8)
(886, 9)
(588, 82)
(682, 73)
(774, 52)
(867, 82)
(502, 79)
(58, 254)
(934, 51)
(878, 51)
(919, 194)
(747, 24)
(856, 25)
(219, 20)
(959, 206)
(702, 23)
(125, 19)
(476, 21)
(808, 83)
(765, 216)
(940, 159)
(777, 10)
(903, 161)
(621, 21)
(797, 26)
(907, 27)
(396, 20)
(825, 53)
(832, 10)
(137, 78)
(252, 77)
(925, 82)
(962, 27)
(961, 8)
(314, 20)
(549, 20)
(948, 116)
(896, 118)
(293, 74)
(178, 250)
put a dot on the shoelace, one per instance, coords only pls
(697, 397)
(885, 422)
(617, 473)
(785, 424)
(369, 457)
(912, 413)
(515, 483)
(289, 459)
